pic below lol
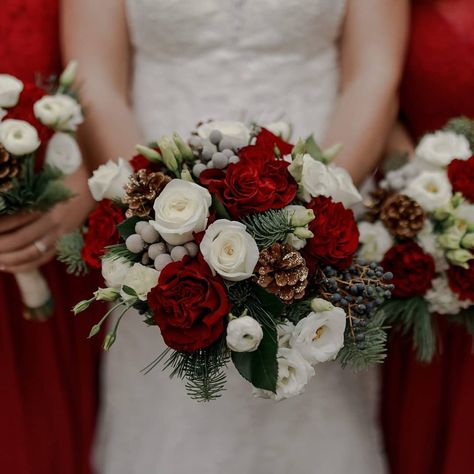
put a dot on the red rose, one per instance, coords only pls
(461, 281)
(23, 110)
(101, 232)
(336, 236)
(257, 183)
(189, 305)
(413, 269)
(461, 175)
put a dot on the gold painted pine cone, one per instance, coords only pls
(402, 216)
(9, 169)
(282, 270)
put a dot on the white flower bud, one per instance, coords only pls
(319, 305)
(244, 334)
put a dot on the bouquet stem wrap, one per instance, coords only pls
(35, 294)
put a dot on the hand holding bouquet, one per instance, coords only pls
(238, 246)
(420, 226)
(37, 149)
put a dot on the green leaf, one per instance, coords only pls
(260, 367)
(269, 302)
(221, 211)
(313, 149)
(129, 291)
(127, 227)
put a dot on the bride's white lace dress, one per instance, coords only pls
(232, 59)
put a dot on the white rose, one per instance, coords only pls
(431, 190)
(281, 129)
(294, 373)
(181, 209)
(19, 137)
(374, 240)
(320, 336)
(114, 271)
(59, 111)
(10, 90)
(230, 250)
(108, 181)
(236, 130)
(285, 331)
(440, 148)
(244, 334)
(63, 153)
(331, 181)
(141, 279)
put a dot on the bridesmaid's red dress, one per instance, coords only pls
(48, 371)
(428, 410)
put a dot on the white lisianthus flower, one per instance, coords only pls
(431, 190)
(19, 137)
(63, 153)
(244, 334)
(108, 180)
(285, 331)
(114, 271)
(442, 300)
(60, 112)
(440, 148)
(374, 240)
(237, 130)
(295, 242)
(428, 242)
(320, 180)
(398, 179)
(181, 209)
(320, 336)
(230, 250)
(465, 211)
(281, 129)
(141, 279)
(294, 373)
(10, 90)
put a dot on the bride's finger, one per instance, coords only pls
(9, 223)
(26, 235)
(34, 264)
(30, 253)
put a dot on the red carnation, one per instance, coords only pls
(257, 183)
(336, 236)
(461, 281)
(101, 232)
(23, 110)
(461, 175)
(139, 162)
(189, 305)
(413, 269)
(268, 141)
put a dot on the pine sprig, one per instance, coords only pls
(120, 251)
(412, 316)
(268, 227)
(463, 126)
(69, 251)
(34, 191)
(373, 351)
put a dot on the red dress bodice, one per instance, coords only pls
(48, 371)
(427, 409)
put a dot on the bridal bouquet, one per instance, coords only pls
(420, 227)
(37, 149)
(239, 247)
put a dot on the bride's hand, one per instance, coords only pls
(28, 241)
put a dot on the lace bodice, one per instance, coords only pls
(235, 59)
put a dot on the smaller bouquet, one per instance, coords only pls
(37, 149)
(238, 247)
(420, 226)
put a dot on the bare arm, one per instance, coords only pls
(372, 53)
(95, 33)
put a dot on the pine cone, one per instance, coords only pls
(375, 202)
(282, 270)
(141, 190)
(9, 168)
(402, 216)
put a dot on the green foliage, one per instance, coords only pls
(220, 209)
(34, 191)
(127, 227)
(412, 316)
(314, 150)
(121, 251)
(463, 126)
(268, 227)
(69, 251)
(297, 310)
(361, 356)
